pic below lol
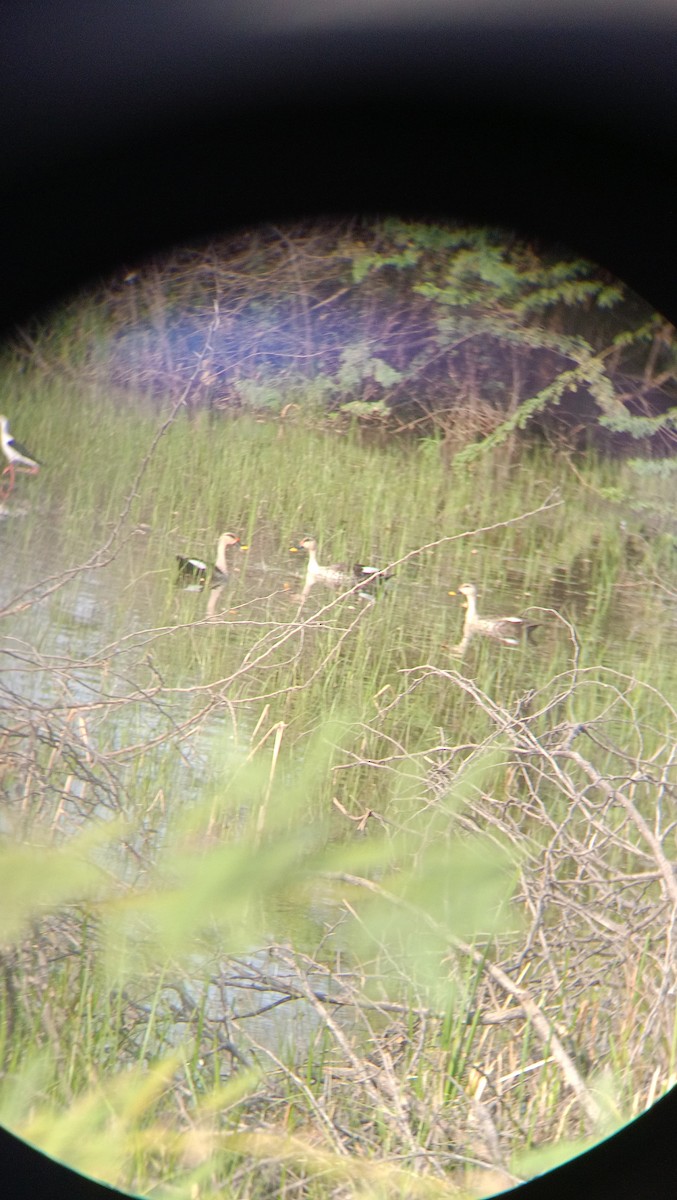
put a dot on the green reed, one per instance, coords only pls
(259, 805)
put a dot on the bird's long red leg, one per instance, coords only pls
(9, 487)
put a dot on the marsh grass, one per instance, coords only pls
(321, 906)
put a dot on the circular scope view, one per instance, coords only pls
(338, 727)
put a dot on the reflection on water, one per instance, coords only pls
(254, 1001)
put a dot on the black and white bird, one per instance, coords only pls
(509, 631)
(338, 575)
(200, 572)
(18, 457)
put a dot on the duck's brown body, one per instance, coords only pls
(509, 631)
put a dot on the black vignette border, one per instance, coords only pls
(126, 129)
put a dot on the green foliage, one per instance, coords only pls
(662, 468)
(640, 427)
(37, 879)
(365, 408)
(262, 395)
(589, 374)
(492, 297)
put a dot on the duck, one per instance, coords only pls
(199, 572)
(507, 630)
(372, 579)
(18, 457)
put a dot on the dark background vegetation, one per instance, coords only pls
(126, 130)
(407, 328)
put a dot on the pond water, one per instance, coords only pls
(148, 673)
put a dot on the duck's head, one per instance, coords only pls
(229, 539)
(466, 589)
(307, 543)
